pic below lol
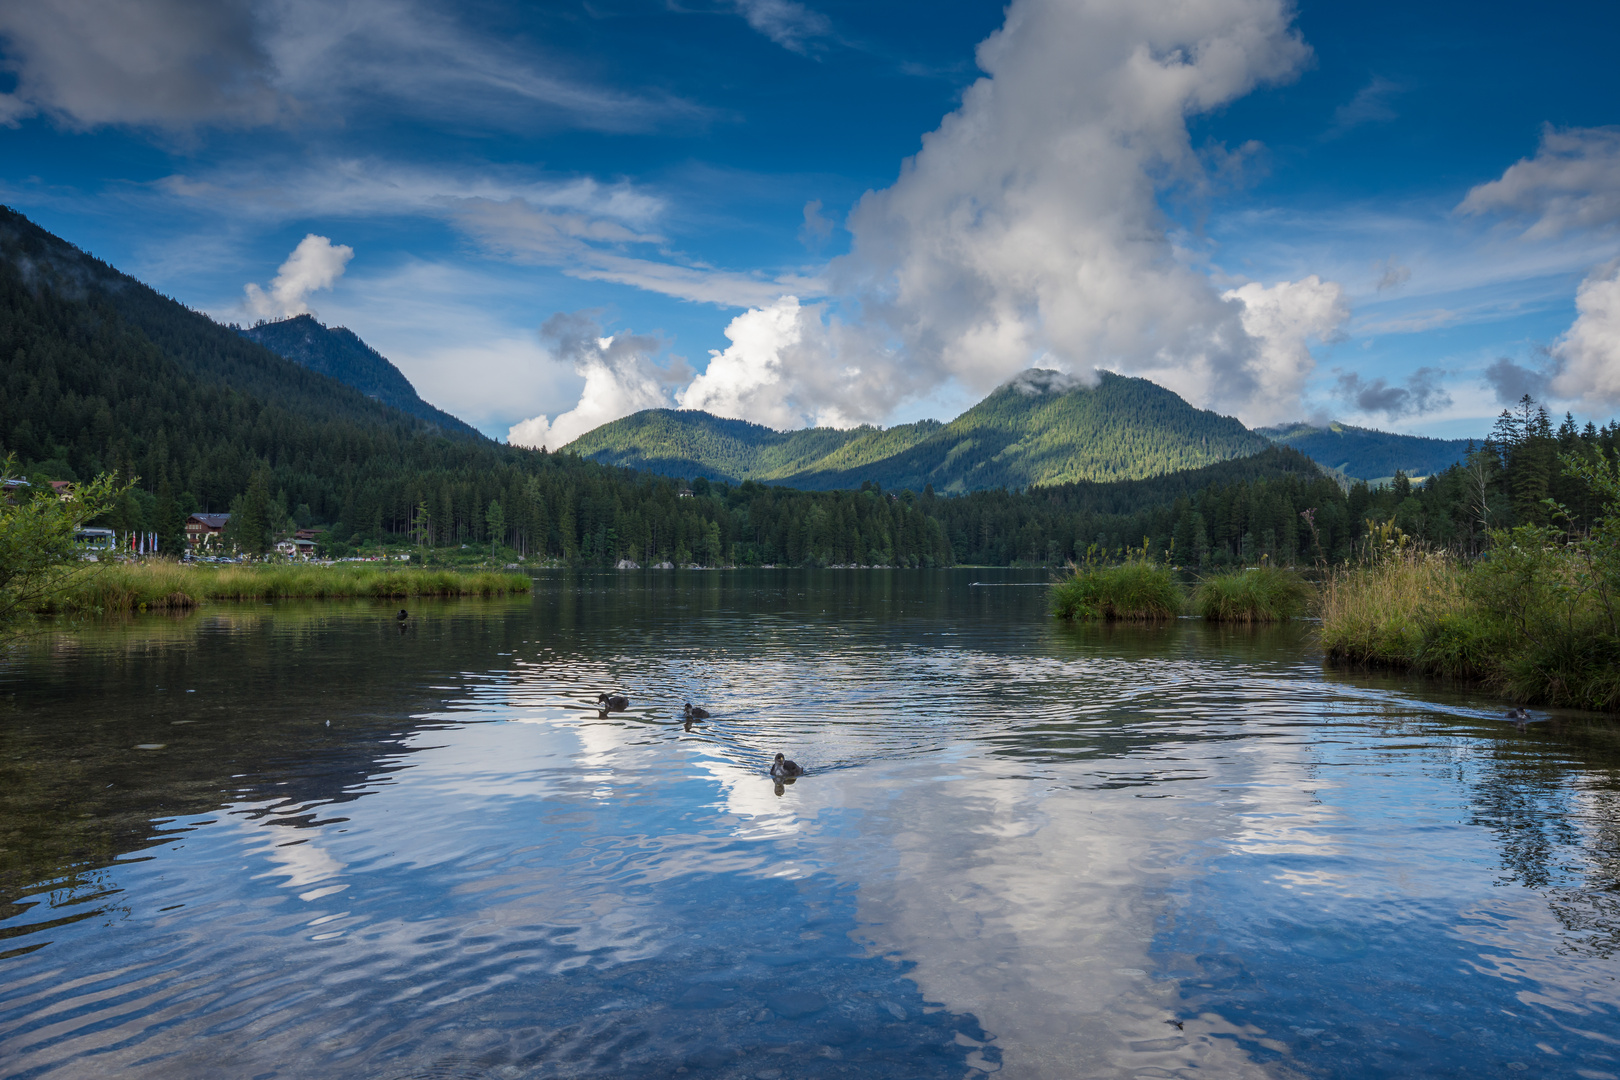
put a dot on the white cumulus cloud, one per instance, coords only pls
(620, 378)
(1283, 320)
(316, 263)
(1588, 354)
(1028, 230)
(787, 367)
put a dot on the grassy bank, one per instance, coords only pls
(159, 586)
(1532, 621)
(1262, 595)
(1131, 592)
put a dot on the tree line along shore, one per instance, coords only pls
(1503, 571)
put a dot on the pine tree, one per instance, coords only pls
(251, 517)
(495, 517)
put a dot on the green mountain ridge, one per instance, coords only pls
(1367, 454)
(339, 353)
(1040, 429)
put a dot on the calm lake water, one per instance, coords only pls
(302, 841)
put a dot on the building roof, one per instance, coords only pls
(213, 521)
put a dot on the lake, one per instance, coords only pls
(293, 840)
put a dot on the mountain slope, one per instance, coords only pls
(1041, 428)
(690, 443)
(98, 371)
(337, 352)
(1367, 454)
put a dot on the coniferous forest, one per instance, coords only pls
(103, 374)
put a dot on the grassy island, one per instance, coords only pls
(161, 586)
(1262, 594)
(1137, 591)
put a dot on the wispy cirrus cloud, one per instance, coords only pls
(789, 23)
(1372, 104)
(587, 228)
(275, 190)
(178, 65)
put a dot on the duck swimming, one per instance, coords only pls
(783, 767)
(694, 713)
(403, 615)
(1519, 716)
(612, 702)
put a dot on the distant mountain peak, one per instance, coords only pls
(339, 353)
(1367, 453)
(1041, 427)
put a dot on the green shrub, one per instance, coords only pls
(1463, 645)
(1131, 592)
(1571, 669)
(1266, 594)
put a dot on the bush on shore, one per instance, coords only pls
(167, 586)
(1135, 591)
(1263, 594)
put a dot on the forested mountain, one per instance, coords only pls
(1039, 429)
(339, 353)
(1366, 454)
(693, 443)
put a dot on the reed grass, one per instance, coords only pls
(1261, 595)
(1376, 616)
(1131, 592)
(166, 586)
(1529, 631)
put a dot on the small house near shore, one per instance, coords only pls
(297, 547)
(202, 529)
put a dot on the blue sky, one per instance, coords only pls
(551, 215)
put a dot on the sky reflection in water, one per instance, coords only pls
(1022, 848)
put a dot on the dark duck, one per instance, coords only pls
(694, 712)
(612, 703)
(782, 767)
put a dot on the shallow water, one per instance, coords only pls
(302, 841)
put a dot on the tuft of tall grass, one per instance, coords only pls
(1518, 622)
(1131, 592)
(1265, 594)
(166, 586)
(1375, 615)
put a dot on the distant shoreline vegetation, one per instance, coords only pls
(160, 585)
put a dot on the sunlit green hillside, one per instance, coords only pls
(691, 443)
(1042, 428)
